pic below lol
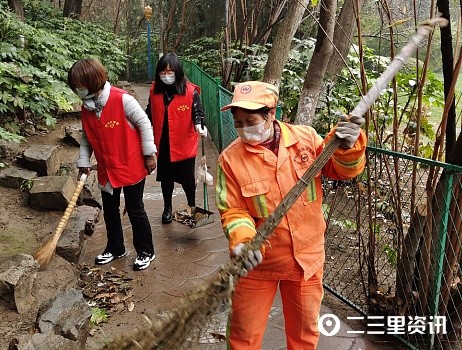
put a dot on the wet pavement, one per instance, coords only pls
(188, 258)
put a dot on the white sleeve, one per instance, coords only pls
(137, 117)
(85, 152)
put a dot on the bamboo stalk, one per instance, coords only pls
(173, 332)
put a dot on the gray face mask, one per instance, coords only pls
(168, 79)
(83, 93)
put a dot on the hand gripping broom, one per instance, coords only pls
(45, 253)
(172, 332)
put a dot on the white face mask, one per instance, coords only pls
(83, 93)
(168, 79)
(254, 134)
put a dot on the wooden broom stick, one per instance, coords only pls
(45, 253)
(173, 331)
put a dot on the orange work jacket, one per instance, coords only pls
(252, 181)
(182, 135)
(116, 144)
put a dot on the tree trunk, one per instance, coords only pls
(343, 34)
(183, 25)
(318, 64)
(72, 8)
(168, 26)
(117, 18)
(281, 46)
(447, 57)
(17, 7)
(406, 263)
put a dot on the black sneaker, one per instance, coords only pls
(143, 261)
(107, 257)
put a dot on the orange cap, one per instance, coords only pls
(254, 95)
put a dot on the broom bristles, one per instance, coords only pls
(46, 252)
(175, 329)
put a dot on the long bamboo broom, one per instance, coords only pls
(45, 253)
(173, 330)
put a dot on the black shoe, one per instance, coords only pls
(107, 257)
(143, 261)
(167, 215)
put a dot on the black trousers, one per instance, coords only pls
(142, 234)
(189, 188)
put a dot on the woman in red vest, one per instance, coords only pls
(118, 132)
(176, 113)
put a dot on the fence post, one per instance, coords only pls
(219, 119)
(440, 253)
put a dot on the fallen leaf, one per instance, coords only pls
(131, 306)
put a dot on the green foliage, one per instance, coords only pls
(98, 315)
(392, 255)
(35, 56)
(26, 185)
(345, 224)
(253, 58)
(205, 53)
(344, 95)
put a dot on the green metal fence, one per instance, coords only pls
(393, 247)
(214, 96)
(393, 238)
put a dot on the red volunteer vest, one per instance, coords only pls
(116, 145)
(183, 137)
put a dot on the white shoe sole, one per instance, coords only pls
(107, 261)
(145, 266)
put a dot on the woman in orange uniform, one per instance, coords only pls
(254, 174)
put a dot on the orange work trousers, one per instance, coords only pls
(251, 304)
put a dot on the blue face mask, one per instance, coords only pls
(83, 93)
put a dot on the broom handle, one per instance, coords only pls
(204, 186)
(266, 229)
(67, 213)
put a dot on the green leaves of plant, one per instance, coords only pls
(35, 56)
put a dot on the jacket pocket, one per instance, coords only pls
(257, 196)
(310, 194)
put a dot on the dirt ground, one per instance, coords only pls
(22, 229)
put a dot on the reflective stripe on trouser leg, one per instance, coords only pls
(301, 303)
(251, 304)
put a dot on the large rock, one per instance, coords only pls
(91, 194)
(17, 277)
(91, 215)
(73, 134)
(51, 192)
(70, 244)
(68, 315)
(14, 177)
(59, 276)
(41, 158)
(9, 150)
(39, 341)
